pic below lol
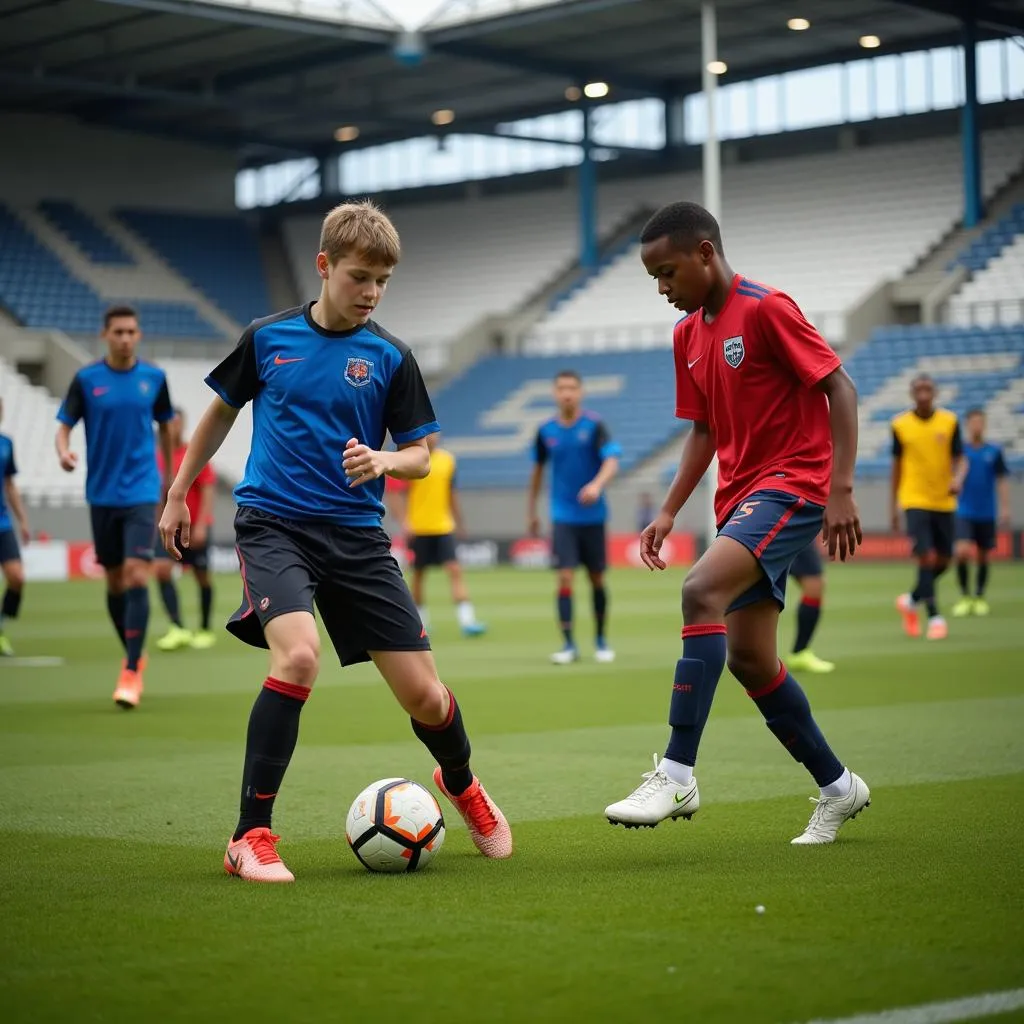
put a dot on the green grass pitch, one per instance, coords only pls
(115, 906)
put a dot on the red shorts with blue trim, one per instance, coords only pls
(775, 527)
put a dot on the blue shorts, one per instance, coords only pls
(775, 527)
(807, 562)
(120, 533)
(574, 544)
(10, 551)
(981, 532)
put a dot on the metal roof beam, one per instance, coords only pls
(1004, 19)
(572, 70)
(76, 33)
(286, 23)
(291, 66)
(522, 19)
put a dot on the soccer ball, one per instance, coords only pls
(394, 825)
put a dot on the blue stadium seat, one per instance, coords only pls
(85, 233)
(220, 256)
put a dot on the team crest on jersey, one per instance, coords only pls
(144, 387)
(358, 372)
(734, 350)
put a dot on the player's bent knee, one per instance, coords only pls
(751, 669)
(14, 575)
(700, 602)
(136, 573)
(298, 663)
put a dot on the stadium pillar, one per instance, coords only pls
(969, 133)
(587, 186)
(330, 175)
(712, 197)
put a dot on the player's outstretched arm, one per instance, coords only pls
(698, 451)
(841, 528)
(206, 440)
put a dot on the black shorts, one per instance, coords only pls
(347, 571)
(574, 545)
(120, 533)
(930, 531)
(193, 557)
(10, 551)
(807, 562)
(436, 549)
(981, 531)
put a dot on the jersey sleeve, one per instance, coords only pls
(604, 446)
(897, 444)
(236, 378)
(690, 403)
(956, 443)
(11, 469)
(999, 467)
(72, 409)
(795, 341)
(163, 411)
(408, 413)
(540, 449)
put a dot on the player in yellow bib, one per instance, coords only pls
(928, 469)
(430, 511)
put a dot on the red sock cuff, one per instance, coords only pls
(811, 602)
(447, 718)
(292, 690)
(712, 629)
(780, 678)
(564, 592)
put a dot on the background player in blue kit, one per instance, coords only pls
(327, 385)
(118, 398)
(583, 460)
(809, 572)
(10, 551)
(978, 512)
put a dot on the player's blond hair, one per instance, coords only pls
(362, 229)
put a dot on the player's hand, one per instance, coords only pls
(652, 538)
(589, 493)
(1005, 520)
(26, 533)
(175, 525)
(363, 464)
(68, 461)
(894, 520)
(955, 487)
(533, 525)
(841, 527)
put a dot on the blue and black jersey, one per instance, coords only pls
(313, 389)
(575, 451)
(7, 470)
(985, 465)
(118, 408)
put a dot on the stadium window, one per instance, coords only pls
(736, 100)
(813, 97)
(887, 86)
(915, 83)
(1015, 68)
(990, 71)
(695, 120)
(767, 115)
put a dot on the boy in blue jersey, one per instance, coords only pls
(976, 516)
(118, 398)
(583, 460)
(10, 552)
(327, 384)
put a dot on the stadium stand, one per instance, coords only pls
(995, 295)
(993, 241)
(95, 243)
(30, 420)
(845, 222)
(220, 256)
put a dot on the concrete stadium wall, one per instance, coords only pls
(58, 158)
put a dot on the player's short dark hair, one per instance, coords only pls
(569, 373)
(975, 411)
(685, 225)
(923, 378)
(115, 312)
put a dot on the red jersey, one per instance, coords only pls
(750, 375)
(206, 478)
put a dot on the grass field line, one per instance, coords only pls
(990, 1004)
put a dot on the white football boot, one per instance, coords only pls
(833, 811)
(654, 800)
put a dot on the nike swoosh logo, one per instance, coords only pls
(690, 366)
(234, 861)
(683, 798)
(264, 796)
(96, 392)
(278, 361)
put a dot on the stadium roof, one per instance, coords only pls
(270, 78)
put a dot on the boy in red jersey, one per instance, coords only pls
(766, 393)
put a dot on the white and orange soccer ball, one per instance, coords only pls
(395, 825)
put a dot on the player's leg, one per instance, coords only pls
(985, 542)
(962, 552)
(464, 610)
(369, 613)
(278, 582)
(139, 530)
(566, 553)
(919, 532)
(176, 636)
(809, 573)
(199, 559)
(421, 552)
(753, 660)
(594, 556)
(14, 584)
(108, 547)
(941, 525)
